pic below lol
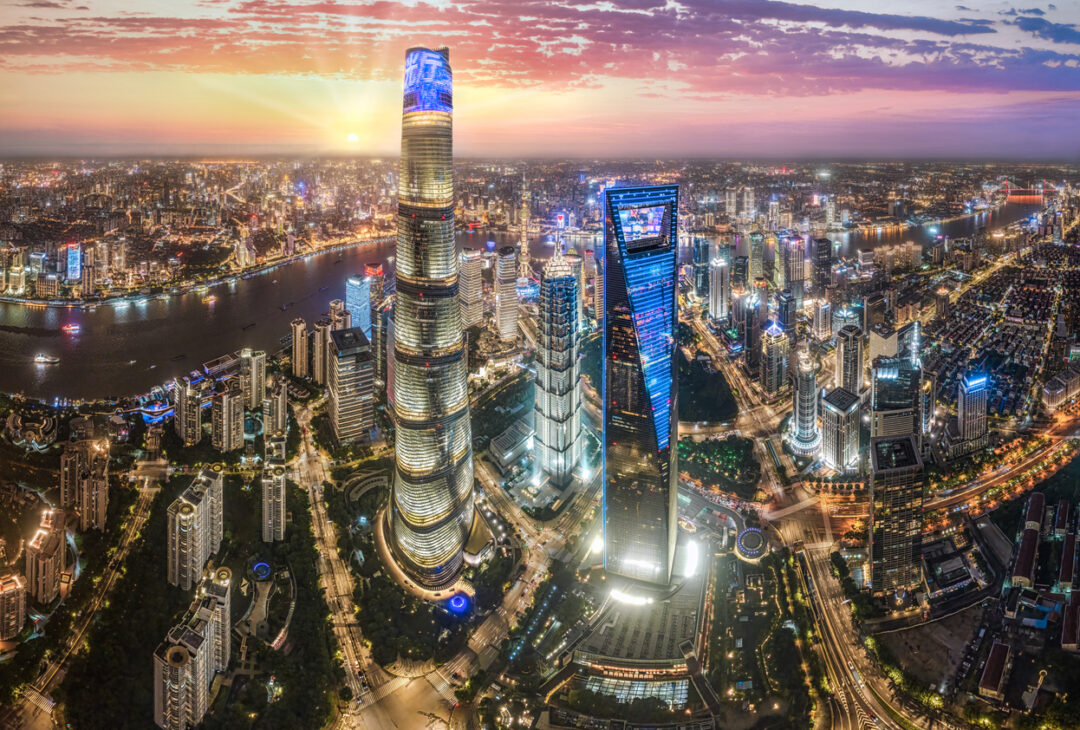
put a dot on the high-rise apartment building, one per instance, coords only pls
(194, 528)
(275, 408)
(46, 557)
(506, 303)
(471, 288)
(896, 498)
(12, 605)
(320, 345)
(340, 316)
(719, 290)
(273, 501)
(358, 302)
(849, 361)
(557, 417)
(187, 411)
(840, 430)
(227, 420)
(431, 508)
(351, 385)
(192, 653)
(641, 390)
(84, 481)
(804, 436)
(774, 359)
(301, 358)
(253, 377)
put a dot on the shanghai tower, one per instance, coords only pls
(431, 508)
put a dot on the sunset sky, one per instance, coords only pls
(612, 78)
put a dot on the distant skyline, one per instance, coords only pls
(608, 78)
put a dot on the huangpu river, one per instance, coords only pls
(126, 348)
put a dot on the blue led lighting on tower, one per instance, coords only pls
(74, 262)
(358, 302)
(639, 382)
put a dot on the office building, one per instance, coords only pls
(350, 385)
(194, 528)
(794, 266)
(640, 382)
(719, 290)
(896, 498)
(358, 302)
(273, 501)
(598, 290)
(187, 411)
(506, 303)
(774, 360)
(941, 304)
(804, 436)
(822, 265)
(253, 377)
(471, 288)
(785, 312)
(840, 430)
(557, 409)
(971, 408)
(740, 271)
(74, 262)
(382, 344)
(873, 311)
(896, 400)
(700, 268)
(46, 557)
(192, 653)
(752, 334)
(301, 358)
(12, 605)
(757, 257)
(377, 290)
(577, 268)
(748, 202)
(431, 507)
(822, 319)
(275, 408)
(849, 362)
(320, 345)
(227, 420)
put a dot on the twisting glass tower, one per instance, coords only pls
(431, 509)
(558, 390)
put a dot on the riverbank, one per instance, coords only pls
(188, 286)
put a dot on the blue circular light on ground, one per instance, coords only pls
(751, 542)
(459, 604)
(261, 570)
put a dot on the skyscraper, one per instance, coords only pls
(187, 411)
(840, 430)
(12, 605)
(46, 557)
(358, 302)
(340, 316)
(785, 312)
(752, 334)
(377, 274)
(774, 359)
(795, 266)
(598, 288)
(350, 385)
(822, 269)
(896, 398)
(253, 377)
(804, 435)
(301, 359)
(719, 290)
(748, 201)
(431, 508)
(577, 268)
(194, 528)
(227, 420)
(757, 257)
(471, 288)
(640, 386)
(822, 319)
(971, 408)
(273, 501)
(849, 363)
(557, 419)
(896, 497)
(275, 408)
(506, 303)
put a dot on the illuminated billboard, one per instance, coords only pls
(428, 82)
(642, 222)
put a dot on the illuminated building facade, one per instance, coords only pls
(840, 430)
(896, 498)
(187, 411)
(719, 290)
(849, 363)
(46, 557)
(301, 359)
(557, 416)
(227, 420)
(350, 385)
(272, 484)
(74, 262)
(431, 508)
(971, 407)
(506, 303)
(701, 267)
(194, 528)
(12, 605)
(774, 359)
(471, 288)
(896, 399)
(253, 377)
(804, 437)
(640, 382)
(358, 302)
